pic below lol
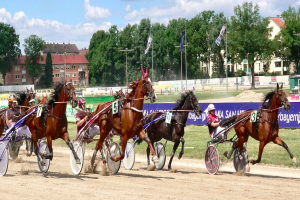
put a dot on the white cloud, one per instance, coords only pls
(94, 12)
(189, 8)
(127, 8)
(50, 30)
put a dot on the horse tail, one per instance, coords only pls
(227, 122)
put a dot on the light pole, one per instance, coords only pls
(181, 69)
(208, 61)
(126, 50)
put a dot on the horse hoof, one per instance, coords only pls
(155, 159)
(180, 156)
(248, 168)
(294, 160)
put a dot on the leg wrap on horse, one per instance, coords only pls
(182, 140)
(146, 139)
(169, 127)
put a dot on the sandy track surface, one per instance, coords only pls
(191, 181)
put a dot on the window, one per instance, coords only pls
(245, 66)
(23, 75)
(57, 75)
(73, 67)
(62, 67)
(80, 67)
(23, 67)
(84, 67)
(52, 75)
(259, 69)
(43, 67)
(57, 67)
(17, 76)
(278, 64)
(73, 75)
(74, 82)
(68, 67)
(67, 75)
(17, 68)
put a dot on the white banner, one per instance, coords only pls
(218, 40)
(148, 45)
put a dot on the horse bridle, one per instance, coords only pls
(284, 100)
(194, 109)
(70, 96)
(28, 96)
(148, 92)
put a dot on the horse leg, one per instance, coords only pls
(124, 143)
(147, 139)
(181, 152)
(173, 153)
(103, 134)
(49, 143)
(262, 144)
(148, 154)
(280, 142)
(70, 145)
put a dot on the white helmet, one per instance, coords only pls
(211, 107)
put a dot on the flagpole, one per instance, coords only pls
(226, 63)
(185, 62)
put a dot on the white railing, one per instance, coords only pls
(15, 88)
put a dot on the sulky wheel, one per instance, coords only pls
(79, 150)
(239, 161)
(114, 151)
(3, 159)
(212, 160)
(161, 154)
(129, 157)
(43, 163)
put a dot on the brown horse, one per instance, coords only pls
(24, 101)
(267, 128)
(130, 122)
(56, 120)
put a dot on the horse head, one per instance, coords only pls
(282, 100)
(194, 103)
(70, 90)
(147, 86)
(31, 97)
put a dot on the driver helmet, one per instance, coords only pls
(210, 107)
(81, 101)
(12, 98)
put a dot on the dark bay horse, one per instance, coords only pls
(267, 128)
(56, 119)
(175, 131)
(130, 122)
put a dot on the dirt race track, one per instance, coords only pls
(191, 181)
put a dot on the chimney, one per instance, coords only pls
(278, 16)
(63, 45)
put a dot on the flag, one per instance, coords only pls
(218, 40)
(181, 46)
(148, 45)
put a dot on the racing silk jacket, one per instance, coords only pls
(210, 119)
(10, 116)
(78, 118)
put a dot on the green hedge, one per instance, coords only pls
(98, 99)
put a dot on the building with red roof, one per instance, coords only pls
(68, 67)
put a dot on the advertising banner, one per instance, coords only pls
(289, 119)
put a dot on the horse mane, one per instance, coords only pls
(132, 85)
(20, 97)
(180, 101)
(267, 100)
(55, 94)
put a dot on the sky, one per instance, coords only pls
(75, 21)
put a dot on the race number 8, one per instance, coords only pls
(253, 116)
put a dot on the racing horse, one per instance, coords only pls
(265, 130)
(129, 122)
(158, 129)
(56, 125)
(24, 99)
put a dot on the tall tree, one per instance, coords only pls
(249, 35)
(48, 71)
(33, 45)
(9, 48)
(288, 40)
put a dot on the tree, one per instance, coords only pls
(48, 71)
(32, 48)
(287, 42)
(9, 48)
(249, 35)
